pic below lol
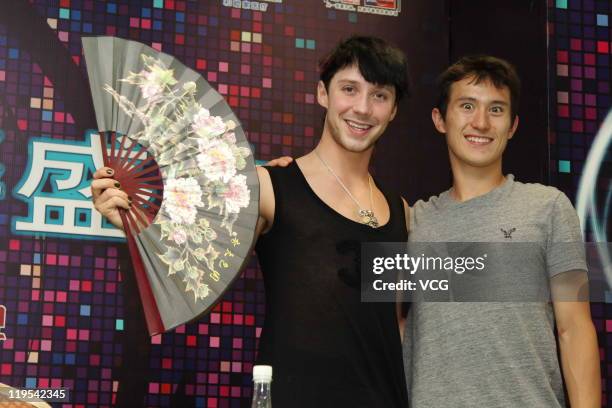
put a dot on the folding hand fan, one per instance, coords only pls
(180, 153)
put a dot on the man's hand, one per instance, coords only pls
(280, 162)
(108, 197)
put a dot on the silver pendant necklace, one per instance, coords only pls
(366, 216)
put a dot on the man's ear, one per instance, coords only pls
(393, 113)
(514, 126)
(438, 120)
(322, 95)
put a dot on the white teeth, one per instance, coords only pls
(476, 139)
(358, 125)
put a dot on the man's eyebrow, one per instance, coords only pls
(387, 87)
(471, 99)
(347, 81)
(354, 82)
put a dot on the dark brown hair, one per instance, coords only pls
(379, 62)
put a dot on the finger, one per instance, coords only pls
(107, 207)
(280, 161)
(273, 163)
(109, 193)
(100, 185)
(103, 172)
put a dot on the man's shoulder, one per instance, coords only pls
(536, 191)
(433, 203)
(533, 196)
(276, 174)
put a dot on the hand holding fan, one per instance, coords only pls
(178, 150)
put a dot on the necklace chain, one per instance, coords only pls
(367, 216)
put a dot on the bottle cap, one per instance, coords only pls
(262, 373)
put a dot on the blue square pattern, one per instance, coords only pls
(85, 310)
(70, 358)
(602, 20)
(565, 166)
(22, 319)
(57, 358)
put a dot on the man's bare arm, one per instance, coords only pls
(401, 318)
(579, 353)
(266, 202)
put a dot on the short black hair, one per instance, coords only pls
(378, 61)
(482, 68)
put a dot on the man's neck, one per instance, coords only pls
(351, 167)
(471, 182)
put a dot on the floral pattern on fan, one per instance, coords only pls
(199, 159)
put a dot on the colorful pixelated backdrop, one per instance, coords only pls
(71, 317)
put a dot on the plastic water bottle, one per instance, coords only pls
(262, 380)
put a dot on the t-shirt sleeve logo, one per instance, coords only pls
(508, 233)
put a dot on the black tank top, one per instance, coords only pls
(326, 347)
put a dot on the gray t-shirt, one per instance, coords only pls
(490, 354)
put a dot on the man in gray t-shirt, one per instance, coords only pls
(496, 354)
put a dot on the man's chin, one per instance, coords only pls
(357, 146)
(477, 163)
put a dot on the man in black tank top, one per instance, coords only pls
(327, 348)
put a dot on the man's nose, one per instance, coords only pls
(363, 105)
(480, 120)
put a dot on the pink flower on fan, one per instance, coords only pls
(179, 236)
(230, 137)
(155, 80)
(237, 194)
(181, 197)
(151, 91)
(208, 126)
(216, 159)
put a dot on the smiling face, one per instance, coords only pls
(478, 123)
(358, 111)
